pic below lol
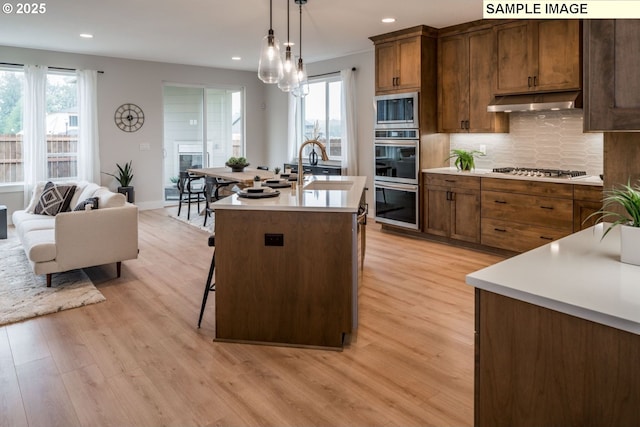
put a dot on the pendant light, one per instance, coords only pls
(289, 79)
(270, 65)
(302, 89)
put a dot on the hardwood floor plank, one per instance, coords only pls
(410, 362)
(44, 395)
(11, 409)
(94, 401)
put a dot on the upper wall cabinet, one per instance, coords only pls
(611, 64)
(467, 80)
(400, 59)
(538, 56)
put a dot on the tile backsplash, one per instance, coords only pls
(544, 139)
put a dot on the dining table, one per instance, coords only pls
(245, 177)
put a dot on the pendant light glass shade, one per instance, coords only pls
(270, 64)
(289, 79)
(302, 89)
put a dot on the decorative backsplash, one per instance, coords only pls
(545, 139)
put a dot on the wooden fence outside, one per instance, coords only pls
(62, 157)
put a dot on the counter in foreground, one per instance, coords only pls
(558, 336)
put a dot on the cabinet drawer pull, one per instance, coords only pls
(461, 124)
(501, 230)
(466, 124)
(449, 180)
(547, 207)
(502, 202)
(546, 238)
(535, 80)
(529, 81)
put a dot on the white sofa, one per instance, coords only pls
(79, 239)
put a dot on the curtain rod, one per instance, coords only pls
(51, 68)
(328, 74)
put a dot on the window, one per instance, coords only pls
(11, 89)
(322, 115)
(61, 125)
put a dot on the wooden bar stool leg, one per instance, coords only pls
(208, 287)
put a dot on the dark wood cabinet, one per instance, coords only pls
(538, 367)
(538, 56)
(467, 80)
(452, 207)
(398, 65)
(587, 200)
(522, 215)
(611, 64)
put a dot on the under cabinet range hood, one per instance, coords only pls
(535, 102)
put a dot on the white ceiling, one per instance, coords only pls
(210, 32)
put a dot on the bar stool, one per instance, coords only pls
(208, 286)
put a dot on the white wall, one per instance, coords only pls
(140, 82)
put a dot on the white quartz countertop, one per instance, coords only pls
(340, 194)
(578, 275)
(487, 173)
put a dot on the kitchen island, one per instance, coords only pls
(558, 336)
(287, 267)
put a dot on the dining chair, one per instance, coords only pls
(190, 189)
(208, 287)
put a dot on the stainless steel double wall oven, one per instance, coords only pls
(397, 160)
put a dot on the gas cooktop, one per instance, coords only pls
(542, 172)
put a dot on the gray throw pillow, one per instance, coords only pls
(54, 199)
(93, 201)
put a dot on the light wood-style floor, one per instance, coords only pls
(139, 360)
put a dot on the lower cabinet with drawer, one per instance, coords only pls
(522, 215)
(587, 200)
(452, 206)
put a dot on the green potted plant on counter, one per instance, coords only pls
(124, 177)
(465, 160)
(237, 164)
(621, 207)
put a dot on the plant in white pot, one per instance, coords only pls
(627, 199)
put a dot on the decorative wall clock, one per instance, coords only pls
(129, 117)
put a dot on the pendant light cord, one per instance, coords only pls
(300, 29)
(271, 15)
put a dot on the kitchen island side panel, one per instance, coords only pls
(536, 366)
(299, 293)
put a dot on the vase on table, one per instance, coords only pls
(630, 244)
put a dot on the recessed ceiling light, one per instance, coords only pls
(236, 58)
(86, 36)
(388, 20)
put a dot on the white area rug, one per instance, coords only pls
(24, 295)
(195, 219)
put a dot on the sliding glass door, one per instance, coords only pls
(190, 141)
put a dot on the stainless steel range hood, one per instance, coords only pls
(536, 102)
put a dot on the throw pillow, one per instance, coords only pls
(54, 199)
(93, 201)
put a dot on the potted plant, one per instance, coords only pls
(621, 206)
(276, 171)
(124, 177)
(237, 164)
(174, 180)
(465, 160)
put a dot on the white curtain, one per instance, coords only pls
(34, 146)
(88, 146)
(349, 130)
(292, 135)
